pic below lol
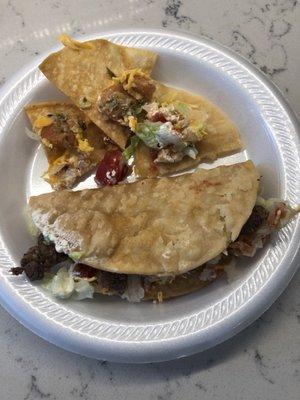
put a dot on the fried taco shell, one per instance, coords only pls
(157, 226)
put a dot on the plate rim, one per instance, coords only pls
(178, 346)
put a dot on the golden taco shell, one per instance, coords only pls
(162, 226)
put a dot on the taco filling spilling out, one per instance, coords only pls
(73, 145)
(170, 128)
(142, 241)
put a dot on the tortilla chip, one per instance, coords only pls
(78, 162)
(222, 137)
(158, 226)
(81, 72)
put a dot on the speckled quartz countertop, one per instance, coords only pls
(262, 362)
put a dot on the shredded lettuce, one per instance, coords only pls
(182, 108)
(158, 135)
(198, 128)
(83, 290)
(191, 151)
(76, 255)
(129, 151)
(268, 204)
(31, 227)
(166, 136)
(147, 131)
(63, 286)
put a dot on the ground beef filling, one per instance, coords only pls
(257, 218)
(144, 87)
(115, 103)
(39, 259)
(84, 271)
(112, 283)
(58, 137)
(62, 132)
(108, 282)
(244, 244)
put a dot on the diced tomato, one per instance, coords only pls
(111, 169)
(153, 153)
(158, 117)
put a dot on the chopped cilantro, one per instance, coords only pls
(129, 151)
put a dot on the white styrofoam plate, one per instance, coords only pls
(112, 329)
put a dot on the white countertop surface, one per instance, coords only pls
(262, 362)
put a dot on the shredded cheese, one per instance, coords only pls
(67, 41)
(127, 78)
(132, 122)
(83, 145)
(42, 121)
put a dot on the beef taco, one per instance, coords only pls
(152, 239)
